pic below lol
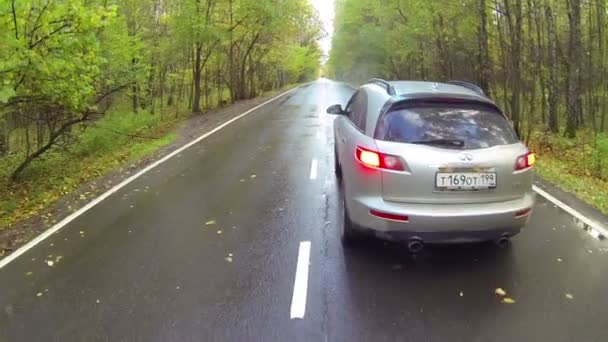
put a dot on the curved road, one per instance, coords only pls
(205, 247)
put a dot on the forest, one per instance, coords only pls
(81, 80)
(545, 62)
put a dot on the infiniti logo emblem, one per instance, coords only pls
(466, 157)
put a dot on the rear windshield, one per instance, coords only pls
(463, 126)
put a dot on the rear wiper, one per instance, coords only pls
(443, 142)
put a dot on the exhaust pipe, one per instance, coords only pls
(415, 245)
(502, 241)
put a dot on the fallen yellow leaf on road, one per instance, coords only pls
(219, 232)
(569, 296)
(210, 222)
(500, 292)
(507, 300)
(253, 176)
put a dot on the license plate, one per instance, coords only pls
(465, 180)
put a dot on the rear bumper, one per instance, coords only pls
(441, 222)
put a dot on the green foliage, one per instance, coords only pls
(113, 130)
(85, 85)
(114, 140)
(58, 57)
(63, 63)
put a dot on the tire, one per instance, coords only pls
(349, 235)
(337, 168)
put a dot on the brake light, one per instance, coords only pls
(378, 160)
(369, 158)
(525, 162)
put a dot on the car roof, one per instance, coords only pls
(397, 91)
(407, 88)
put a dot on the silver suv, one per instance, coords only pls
(430, 162)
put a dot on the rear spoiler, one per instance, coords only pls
(468, 85)
(411, 99)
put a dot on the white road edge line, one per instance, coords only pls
(300, 286)
(593, 224)
(313, 168)
(107, 194)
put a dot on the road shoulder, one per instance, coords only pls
(572, 201)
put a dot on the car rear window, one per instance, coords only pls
(472, 126)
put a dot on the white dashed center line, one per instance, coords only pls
(313, 168)
(300, 286)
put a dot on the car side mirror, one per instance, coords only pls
(335, 109)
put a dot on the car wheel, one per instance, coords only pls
(349, 234)
(337, 168)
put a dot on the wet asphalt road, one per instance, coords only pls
(144, 265)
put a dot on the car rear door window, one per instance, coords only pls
(463, 126)
(357, 108)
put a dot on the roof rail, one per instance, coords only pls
(468, 85)
(389, 88)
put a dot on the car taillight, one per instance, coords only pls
(526, 161)
(375, 159)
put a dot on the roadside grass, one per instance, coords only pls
(117, 139)
(578, 166)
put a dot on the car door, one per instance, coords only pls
(341, 128)
(359, 181)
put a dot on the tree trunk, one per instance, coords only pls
(505, 67)
(514, 20)
(161, 88)
(218, 82)
(553, 80)
(207, 88)
(540, 61)
(484, 54)
(196, 75)
(231, 86)
(444, 56)
(602, 84)
(172, 89)
(242, 91)
(134, 92)
(3, 137)
(573, 66)
(533, 55)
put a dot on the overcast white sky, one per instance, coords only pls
(326, 12)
